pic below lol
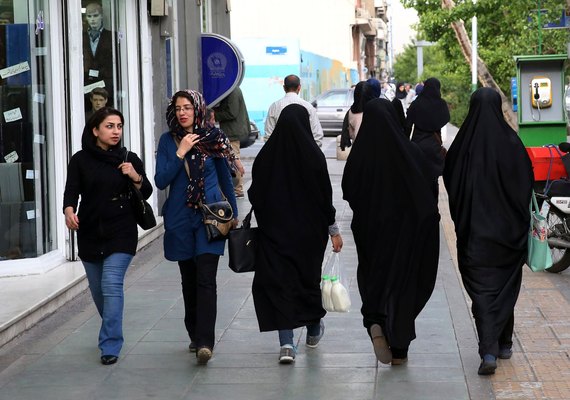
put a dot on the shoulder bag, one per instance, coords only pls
(142, 209)
(218, 216)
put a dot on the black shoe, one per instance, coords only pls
(488, 365)
(505, 352)
(192, 347)
(108, 360)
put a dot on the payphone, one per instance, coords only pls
(540, 84)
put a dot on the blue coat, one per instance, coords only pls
(185, 234)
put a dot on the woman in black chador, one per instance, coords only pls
(396, 230)
(291, 195)
(427, 114)
(488, 177)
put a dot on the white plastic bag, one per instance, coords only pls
(334, 288)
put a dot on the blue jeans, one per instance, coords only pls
(106, 280)
(286, 335)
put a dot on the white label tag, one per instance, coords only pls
(89, 88)
(39, 98)
(14, 70)
(11, 157)
(12, 115)
(93, 73)
(31, 214)
(544, 209)
(41, 51)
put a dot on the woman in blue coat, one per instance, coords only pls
(193, 162)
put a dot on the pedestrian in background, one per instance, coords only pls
(291, 195)
(100, 173)
(192, 162)
(363, 93)
(292, 87)
(489, 180)
(395, 226)
(425, 118)
(232, 115)
(399, 107)
(374, 87)
(402, 94)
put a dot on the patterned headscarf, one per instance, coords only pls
(213, 143)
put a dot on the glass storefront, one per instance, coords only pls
(26, 229)
(31, 157)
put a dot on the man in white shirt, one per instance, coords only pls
(292, 87)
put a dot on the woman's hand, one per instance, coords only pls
(235, 223)
(187, 143)
(128, 169)
(71, 219)
(336, 242)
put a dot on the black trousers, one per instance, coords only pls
(200, 297)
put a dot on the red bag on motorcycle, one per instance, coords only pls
(543, 159)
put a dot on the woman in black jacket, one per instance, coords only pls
(101, 173)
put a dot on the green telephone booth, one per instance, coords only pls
(541, 113)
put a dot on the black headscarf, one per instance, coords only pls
(213, 143)
(291, 196)
(395, 223)
(398, 106)
(429, 112)
(489, 179)
(357, 103)
(115, 155)
(401, 91)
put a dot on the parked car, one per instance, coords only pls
(331, 107)
(253, 135)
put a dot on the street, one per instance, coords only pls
(58, 358)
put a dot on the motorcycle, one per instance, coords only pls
(556, 209)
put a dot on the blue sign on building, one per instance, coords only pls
(222, 67)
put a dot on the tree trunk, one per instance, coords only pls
(483, 73)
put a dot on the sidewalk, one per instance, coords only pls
(58, 358)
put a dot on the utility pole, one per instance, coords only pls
(391, 42)
(474, 51)
(420, 44)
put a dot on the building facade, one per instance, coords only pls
(139, 52)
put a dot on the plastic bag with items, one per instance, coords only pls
(334, 288)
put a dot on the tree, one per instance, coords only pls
(505, 29)
(454, 76)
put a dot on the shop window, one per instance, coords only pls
(25, 225)
(100, 54)
(106, 57)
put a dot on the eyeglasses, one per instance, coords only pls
(187, 109)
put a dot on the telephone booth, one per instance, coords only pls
(541, 113)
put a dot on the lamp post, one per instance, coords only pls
(420, 44)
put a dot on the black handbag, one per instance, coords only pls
(142, 210)
(242, 245)
(218, 219)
